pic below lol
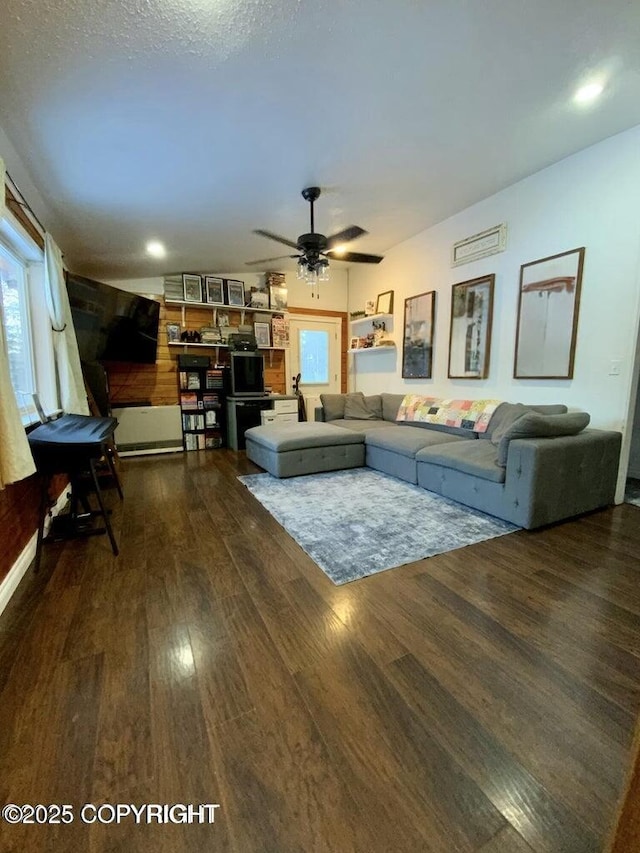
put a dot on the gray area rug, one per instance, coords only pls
(359, 522)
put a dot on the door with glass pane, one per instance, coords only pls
(315, 354)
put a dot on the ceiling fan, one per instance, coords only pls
(315, 250)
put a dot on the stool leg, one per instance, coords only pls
(42, 516)
(109, 454)
(107, 523)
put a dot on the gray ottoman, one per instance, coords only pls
(288, 450)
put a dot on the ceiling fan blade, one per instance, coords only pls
(355, 257)
(344, 236)
(268, 260)
(277, 237)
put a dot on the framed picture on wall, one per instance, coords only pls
(548, 305)
(470, 329)
(192, 287)
(417, 343)
(214, 288)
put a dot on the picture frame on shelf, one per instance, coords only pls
(384, 302)
(354, 343)
(192, 287)
(214, 289)
(369, 308)
(235, 293)
(548, 308)
(470, 328)
(173, 333)
(417, 343)
(278, 297)
(258, 298)
(223, 318)
(262, 332)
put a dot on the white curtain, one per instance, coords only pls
(73, 397)
(16, 461)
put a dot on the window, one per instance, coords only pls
(17, 326)
(314, 357)
(27, 328)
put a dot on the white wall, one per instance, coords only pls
(589, 199)
(332, 294)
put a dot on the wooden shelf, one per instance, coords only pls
(369, 318)
(387, 347)
(211, 346)
(186, 344)
(211, 307)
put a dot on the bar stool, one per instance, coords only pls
(73, 445)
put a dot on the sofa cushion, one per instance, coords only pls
(299, 436)
(374, 404)
(407, 440)
(333, 405)
(361, 425)
(507, 413)
(355, 407)
(390, 405)
(534, 425)
(477, 458)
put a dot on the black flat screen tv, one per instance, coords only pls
(112, 324)
(246, 375)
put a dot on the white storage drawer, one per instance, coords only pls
(268, 416)
(285, 407)
(287, 419)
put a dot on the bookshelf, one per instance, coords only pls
(202, 398)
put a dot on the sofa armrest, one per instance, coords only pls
(548, 479)
(318, 413)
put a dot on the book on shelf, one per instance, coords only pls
(189, 401)
(193, 380)
(211, 401)
(214, 379)
(192, 422)
(280, 331)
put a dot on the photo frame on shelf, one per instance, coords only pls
(235, 293)
(278, 297)
(214, 289)
(384, 302)
(262, 332)
(173, 333)
(470, 328)
(417, 343)
(354, 343)
(548, 307)
(192, 287)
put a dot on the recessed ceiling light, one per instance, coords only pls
(587, 94)
(156, 249)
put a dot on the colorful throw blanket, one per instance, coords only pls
(466, 414)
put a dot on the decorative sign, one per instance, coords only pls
(481, 245)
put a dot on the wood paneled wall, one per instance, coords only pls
(157, 384)
(19, 517)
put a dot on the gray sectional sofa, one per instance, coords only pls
(533, 465)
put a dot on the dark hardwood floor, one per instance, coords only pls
(481, 701)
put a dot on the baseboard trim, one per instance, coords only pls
(149, 451)
(10, 583)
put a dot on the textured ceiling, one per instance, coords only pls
(195, 121)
